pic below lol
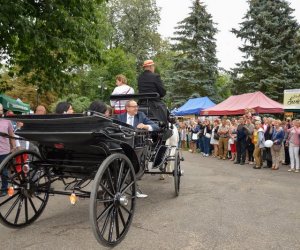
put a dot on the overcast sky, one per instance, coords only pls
(226, 13)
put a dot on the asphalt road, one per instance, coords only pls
(221, 206)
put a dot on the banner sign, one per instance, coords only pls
(291, 99)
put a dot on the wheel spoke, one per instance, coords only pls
(110, 180)
(10, 198)
(122, 217)
(117, 222)
(39, 198)
(120, 175)
(105, 189)
(127, 187)
(103, 201)
(126, 210)
(18, 211)
(26, 209)
(104, 212)
(32, 205)
(106, 221)
(112, 225)
(126, 175)
(12, 207)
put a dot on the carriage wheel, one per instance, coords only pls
(27, 190)
(112, 200)
(177, 172)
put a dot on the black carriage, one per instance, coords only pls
(94, 157)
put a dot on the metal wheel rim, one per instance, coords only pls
(177, 170)
(31, 190)
(110, 218)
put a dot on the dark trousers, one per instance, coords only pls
(201, 143)
(287, 159)
(4, 175)
(241, 151)
(250, 149)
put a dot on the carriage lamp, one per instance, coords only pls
(10, 191)
(73, 198)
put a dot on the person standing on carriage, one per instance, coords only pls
(6, 146)
(121, 89)
(149, 82)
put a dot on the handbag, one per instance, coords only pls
(194, 136)
(216, 136)
(207, 135)
(276, 147)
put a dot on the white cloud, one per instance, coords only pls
(226, 13)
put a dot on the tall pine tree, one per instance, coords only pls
(195, 63)
(271, 49)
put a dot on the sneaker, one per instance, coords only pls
(251, 162)
(297, 171)
(291, 170)
(190, 150)
(207, 155)
(140, 195)
(3, 193)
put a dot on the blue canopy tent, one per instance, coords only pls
(193, 106)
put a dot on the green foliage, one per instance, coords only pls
(222, 87)
(98, 81)
(271, 49)
(79, 103)
(49, 39)
(195, 59)
(134, 25)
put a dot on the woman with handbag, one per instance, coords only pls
(214, 140)
(294, 143)
(194, 136)
(277, 138)
(259, 144)
(207, 136)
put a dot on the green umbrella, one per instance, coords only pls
(14, 105)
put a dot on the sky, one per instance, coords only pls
(227, 14)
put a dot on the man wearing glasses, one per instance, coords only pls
(137, 119)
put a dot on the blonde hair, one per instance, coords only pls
(121, 78)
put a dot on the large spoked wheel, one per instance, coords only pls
(113, 199)
(25, 189)
(177, 173)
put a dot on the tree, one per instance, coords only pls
(271, 51)
(195, 60)
(79, 103)
(135, 27)
(50, 39)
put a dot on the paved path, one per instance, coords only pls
(221, 206)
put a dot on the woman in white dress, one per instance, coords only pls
(121, 89)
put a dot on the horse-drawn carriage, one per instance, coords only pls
(94, 157)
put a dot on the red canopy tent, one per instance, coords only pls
(235, 105)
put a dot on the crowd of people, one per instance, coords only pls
(244, 140)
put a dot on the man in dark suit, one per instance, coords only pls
(137, 119)
(149, 82)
